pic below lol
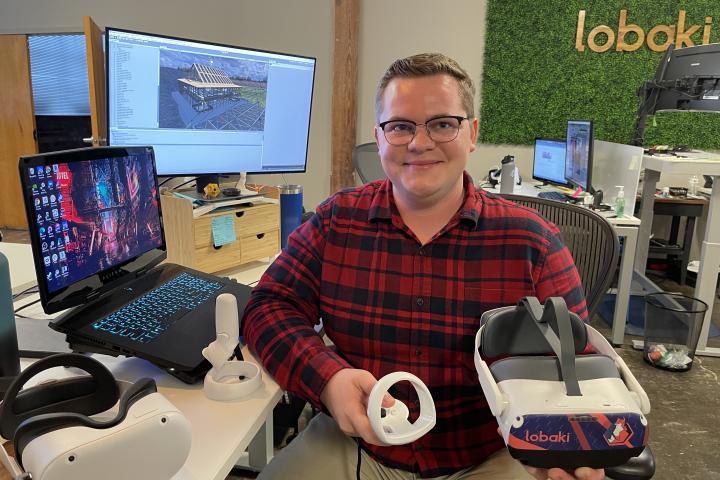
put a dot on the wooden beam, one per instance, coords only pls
(96, 81)
(344, 94)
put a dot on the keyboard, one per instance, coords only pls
(149, 315)
(553, 195)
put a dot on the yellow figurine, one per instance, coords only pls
(211, 190)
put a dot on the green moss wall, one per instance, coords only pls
(534, 79)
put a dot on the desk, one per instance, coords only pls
(625, 227)
(710, 251)
(677, 208)
(222, 431)
(22, 266)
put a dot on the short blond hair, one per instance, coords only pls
(424, 65)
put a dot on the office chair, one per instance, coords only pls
(366, 162)
(595, 249)
(589, 237)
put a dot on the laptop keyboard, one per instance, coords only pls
(553, 195)
(148, 316)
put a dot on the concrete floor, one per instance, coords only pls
(685, 416)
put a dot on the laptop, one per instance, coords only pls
(97, 238)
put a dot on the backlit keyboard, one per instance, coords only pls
(149, 315)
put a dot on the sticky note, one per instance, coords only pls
(223, 230)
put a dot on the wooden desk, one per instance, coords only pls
(677, 207)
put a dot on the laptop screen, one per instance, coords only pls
(90, 211)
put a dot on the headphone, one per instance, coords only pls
(26, 415)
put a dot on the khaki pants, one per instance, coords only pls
(322, 451)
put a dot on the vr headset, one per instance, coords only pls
(69, 429)
(556, 408)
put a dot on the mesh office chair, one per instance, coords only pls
(366, 162)
(595, 249)
(590, 239)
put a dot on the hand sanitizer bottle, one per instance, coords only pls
(620, 202)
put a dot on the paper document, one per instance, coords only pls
(223, 230)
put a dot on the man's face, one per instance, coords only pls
(423, 170)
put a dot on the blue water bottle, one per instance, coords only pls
(291, 209)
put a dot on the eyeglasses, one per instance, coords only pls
(439, 129)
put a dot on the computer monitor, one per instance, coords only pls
(689, 79)
(578, 154)
(94, 219)
(549, 161)
(208, 108)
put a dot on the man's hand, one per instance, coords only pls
(346, 396)
(582, 473)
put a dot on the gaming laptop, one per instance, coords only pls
(97, 239)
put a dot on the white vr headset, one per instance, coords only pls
(556, 408)
(91, 427)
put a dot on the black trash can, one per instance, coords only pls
(672, 329)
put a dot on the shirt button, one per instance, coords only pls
(418, 352)
(420, 301)
(422, 252)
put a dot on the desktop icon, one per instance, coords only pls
(51, 184)
(64, 269)
(34, 189)
(55, 213)
(44, 246)
(57, 227)
(39, 218)
(60, 197)
(42, 231)
(62, 255)
(44, 200)
(47, 216)
(62, 212)
(52, 245)
(31, 171)
(57, 272)
(64, 225)
(59, 242)
(37, 202)
(67, 238)
(50, 230)
(54, 257)
(55, 167)
(48, 169)
(52, 198)
(40, 171)
(49, 275)
(46, 259)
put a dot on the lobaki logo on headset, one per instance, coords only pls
(559, 437)
(631, 37)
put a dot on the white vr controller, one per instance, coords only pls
(391, 425)
(228, 379)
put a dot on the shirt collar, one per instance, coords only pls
(383, 206)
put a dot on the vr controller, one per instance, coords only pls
(392, 425)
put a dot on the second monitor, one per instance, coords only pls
(578, 154)
(549, 161)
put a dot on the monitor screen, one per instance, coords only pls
(89, 212)
(578, 153)
(549, 161)
(689, 79)
(208, 108)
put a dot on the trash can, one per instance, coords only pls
(672, 328)
(291, 208)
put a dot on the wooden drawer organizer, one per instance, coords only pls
(189, 240)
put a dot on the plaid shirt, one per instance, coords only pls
(390, 304)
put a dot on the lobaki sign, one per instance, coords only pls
(678, 34)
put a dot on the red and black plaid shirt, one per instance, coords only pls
(390, 304)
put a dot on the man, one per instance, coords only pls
(400, 272)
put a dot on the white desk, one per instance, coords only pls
(225, 434)
(705, 286)
(625, 227)
(221, 431)
(22, 267)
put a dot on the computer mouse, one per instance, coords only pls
(230, 192)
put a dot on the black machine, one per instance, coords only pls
(685, 79)
(97, 238)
